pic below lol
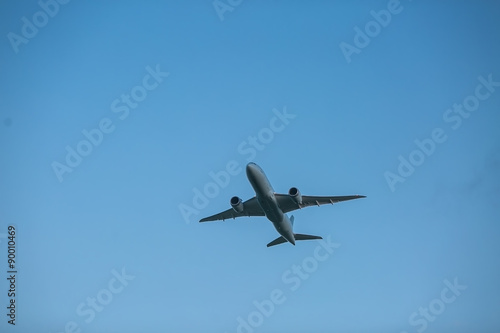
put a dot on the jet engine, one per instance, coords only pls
(294, 193)
(237, 204)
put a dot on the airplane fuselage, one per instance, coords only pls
(264, 193)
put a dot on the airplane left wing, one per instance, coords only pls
(287, 204)
(251, 207)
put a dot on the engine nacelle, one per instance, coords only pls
(294, 193)
(237, 204)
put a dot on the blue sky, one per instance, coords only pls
(170, 93)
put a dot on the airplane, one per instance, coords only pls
(274, 206)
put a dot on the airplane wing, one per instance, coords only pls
(287, 204)
(251, 207)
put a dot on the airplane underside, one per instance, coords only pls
(275, 206)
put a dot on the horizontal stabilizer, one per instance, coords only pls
(306, 237)
(279, 240)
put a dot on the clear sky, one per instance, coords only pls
(123, 123)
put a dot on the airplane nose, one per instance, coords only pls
(250, 168)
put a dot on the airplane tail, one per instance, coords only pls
(281, 239)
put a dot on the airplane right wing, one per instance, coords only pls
(251, 207)
(287, 204)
